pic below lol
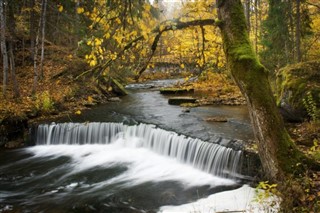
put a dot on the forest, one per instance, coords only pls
(62, 59)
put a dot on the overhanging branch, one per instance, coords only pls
(173, 24)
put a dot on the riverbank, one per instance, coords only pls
(60, 93)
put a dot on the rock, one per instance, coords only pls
(14, 144)
(176, 91)
(114, 99)
(186, 110)
(216, 119)
(294, 82)
(117, 87)
(89, 104)
(181, 100)
(189, 105)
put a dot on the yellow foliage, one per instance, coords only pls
(80, 10)
(78, 112)
(60, 8)
(90, 99)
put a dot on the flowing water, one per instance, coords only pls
(118, 164)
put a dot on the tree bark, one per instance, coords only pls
(38, 74)
(13, 71)
(33, 25)
(4, 48)
(278, 153)
(247, 4)
(298, 31)
(11, 42)
(43, 24)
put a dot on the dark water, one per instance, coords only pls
(149, 106)
(116, 177)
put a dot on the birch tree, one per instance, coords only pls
(41, 29)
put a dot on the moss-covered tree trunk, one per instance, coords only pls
(277, 152)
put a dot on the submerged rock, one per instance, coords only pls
(176, 91)
(181, 100)
(216, 119)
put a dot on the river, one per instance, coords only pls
(81, 172)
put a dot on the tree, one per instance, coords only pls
(298, 31)
(41, 31)
(11, 43)
(276, 36)
(4, 47)
(43, 24)
(278, 153)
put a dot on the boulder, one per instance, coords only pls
(293, 85)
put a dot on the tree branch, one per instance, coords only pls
(315, 5)
(173, 24)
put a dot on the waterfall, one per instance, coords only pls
(209, 157)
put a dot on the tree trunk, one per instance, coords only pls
(291, 30)
(13, 71)
(11, 41)
(35, 62)
(298, 31)
(278, 153)
(32, 27)
(247, 4)
(256, 30)
(38, 75)
(4, 48)
(43, 24)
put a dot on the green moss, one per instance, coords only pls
(294, 81)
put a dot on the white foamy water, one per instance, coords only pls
(239, 200)
(209, 157)
(142, 164)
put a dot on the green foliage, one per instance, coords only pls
(266, 194)
(315, 149)
(44, 102)
(275, 35)
(268, 190)
(311, 106)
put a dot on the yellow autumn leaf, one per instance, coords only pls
(90, 99)
(110, 89)
(78, 112)
(182, 66)
(118, 20)
(60, 8)
(93, 63)
(80, 10)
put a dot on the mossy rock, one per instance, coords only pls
(176, 91)
(118, 88)
(294, 82)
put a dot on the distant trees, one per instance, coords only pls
(287, 23)
(26, 26)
